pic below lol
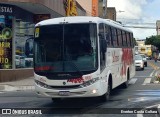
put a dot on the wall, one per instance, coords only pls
(55, 5)
(87, 5)
(17, 74)
(111, 13)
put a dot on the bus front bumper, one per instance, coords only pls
(97, 89)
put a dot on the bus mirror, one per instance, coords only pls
(29, 46)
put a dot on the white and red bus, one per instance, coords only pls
(82, 57)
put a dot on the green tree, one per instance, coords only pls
(153, 40)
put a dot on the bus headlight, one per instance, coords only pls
(42, 84)
(87, 83)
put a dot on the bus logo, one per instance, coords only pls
(37, 33)
(64, 83)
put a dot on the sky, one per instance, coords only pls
(138, 12)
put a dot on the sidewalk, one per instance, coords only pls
(25, 84)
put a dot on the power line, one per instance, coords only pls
(144, 27)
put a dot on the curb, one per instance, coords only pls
(155, 74)
(8, 88)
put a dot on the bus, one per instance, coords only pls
(81, 56)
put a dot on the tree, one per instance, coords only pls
(153, 40)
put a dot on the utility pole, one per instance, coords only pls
(102, 8)
(104, 5)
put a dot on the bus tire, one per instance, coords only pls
(125, 84)
(106, 96)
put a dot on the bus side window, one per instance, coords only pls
(108, 35)
(124, 39)
(114, 37)
(132, 39)
(101, 31)
(119, 37)
(128, 40)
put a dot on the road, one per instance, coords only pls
(139, 94)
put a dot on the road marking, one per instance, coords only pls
(153, 66)
(143, 76)
(146, 81)
(152, 73)
(139, 115)
(132, 81)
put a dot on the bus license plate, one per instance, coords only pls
(64, 93)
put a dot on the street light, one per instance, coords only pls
(120, 11)
(104, 5)
(114, 15)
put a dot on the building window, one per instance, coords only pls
(24, 34)
(6, 36)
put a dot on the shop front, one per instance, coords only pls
(16, 28)
(17, 21)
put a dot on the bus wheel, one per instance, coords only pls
(56, 100)
(106, 96)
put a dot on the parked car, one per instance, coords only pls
(144, 59)
(139, 62)
(19, 61)
(158, 58)
(29, 61)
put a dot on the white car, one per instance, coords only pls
(19, 61)
(139, 62)
(144, 59)
(29, 62)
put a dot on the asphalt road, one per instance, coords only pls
(138, 95)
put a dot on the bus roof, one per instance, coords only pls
(81, 19)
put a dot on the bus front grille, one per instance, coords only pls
(71, 93)
(65, 87)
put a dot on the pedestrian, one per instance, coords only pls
(155, 58)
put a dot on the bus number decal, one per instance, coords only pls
(37, 33)
(76, 80)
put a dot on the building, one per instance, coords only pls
(102, 8)
(148, 50)
(98, 8)
(140, 42)
(158, 27)
(111, 13)
(106, 12)
(87, 5)
(17, 20)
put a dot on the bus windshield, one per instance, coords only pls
(65, 48)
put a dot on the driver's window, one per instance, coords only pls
(102, 53)
(108, 35)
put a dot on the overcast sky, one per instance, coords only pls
(137, 12)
